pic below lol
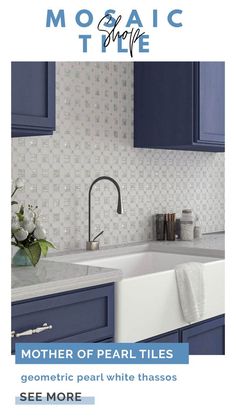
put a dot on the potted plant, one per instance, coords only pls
(27, 232)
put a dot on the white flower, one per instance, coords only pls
(30, 215)
(15, 225)
(38, 223)
(19, 183)
(21, 234)
(28, 225)
(26, 219)
(40, 233)
(27, 222)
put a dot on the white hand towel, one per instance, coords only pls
(189, 277)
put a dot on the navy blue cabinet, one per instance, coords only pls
(205, 338)
(179, 105)
(85, 315)
(171, 337)
(211, 78)
(33, 98)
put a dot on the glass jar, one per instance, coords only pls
(187, 225)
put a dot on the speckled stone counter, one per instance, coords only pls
(50, 277)
(61, 271)
(209, 245)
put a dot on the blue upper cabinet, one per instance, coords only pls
(179, 105)
(211, 102)
(33, 98)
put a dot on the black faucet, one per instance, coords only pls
(92, 244)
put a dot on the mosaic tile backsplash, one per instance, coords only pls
(94, 137)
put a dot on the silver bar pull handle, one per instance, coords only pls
(42, 328)
(29, 332)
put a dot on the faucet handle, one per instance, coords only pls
(98, 235)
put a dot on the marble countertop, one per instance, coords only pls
(59, 272)
(209, 245)
(50, 277)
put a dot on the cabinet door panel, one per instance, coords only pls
(206, 338)
(179, 105)
(33, 98)
(85, 315)
(163, 104)
(212, 102)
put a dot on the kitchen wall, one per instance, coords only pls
(94, 137)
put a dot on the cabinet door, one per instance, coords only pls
(171, 337)
(86, 315)
(33, 98)
(212, 102)
(206, 338)
(163, 104)
(179, 105)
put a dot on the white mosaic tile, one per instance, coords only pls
(94, 137)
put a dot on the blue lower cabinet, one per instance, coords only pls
(205, 338)
(85, 315)
(172, 337)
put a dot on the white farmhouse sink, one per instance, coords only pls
(143, 263)
(146, 298)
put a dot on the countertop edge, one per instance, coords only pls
(55, 287)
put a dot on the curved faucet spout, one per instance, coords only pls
(119, 203)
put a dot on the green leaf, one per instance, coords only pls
(49, 244)
(45, 244)
(27, 252)
(33, 252)
(44, 247)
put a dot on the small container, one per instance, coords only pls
(187, 225)
(160, 226)
(197, 228)
(177, 228)
(170, 230)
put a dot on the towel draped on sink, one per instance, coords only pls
(191, 289)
